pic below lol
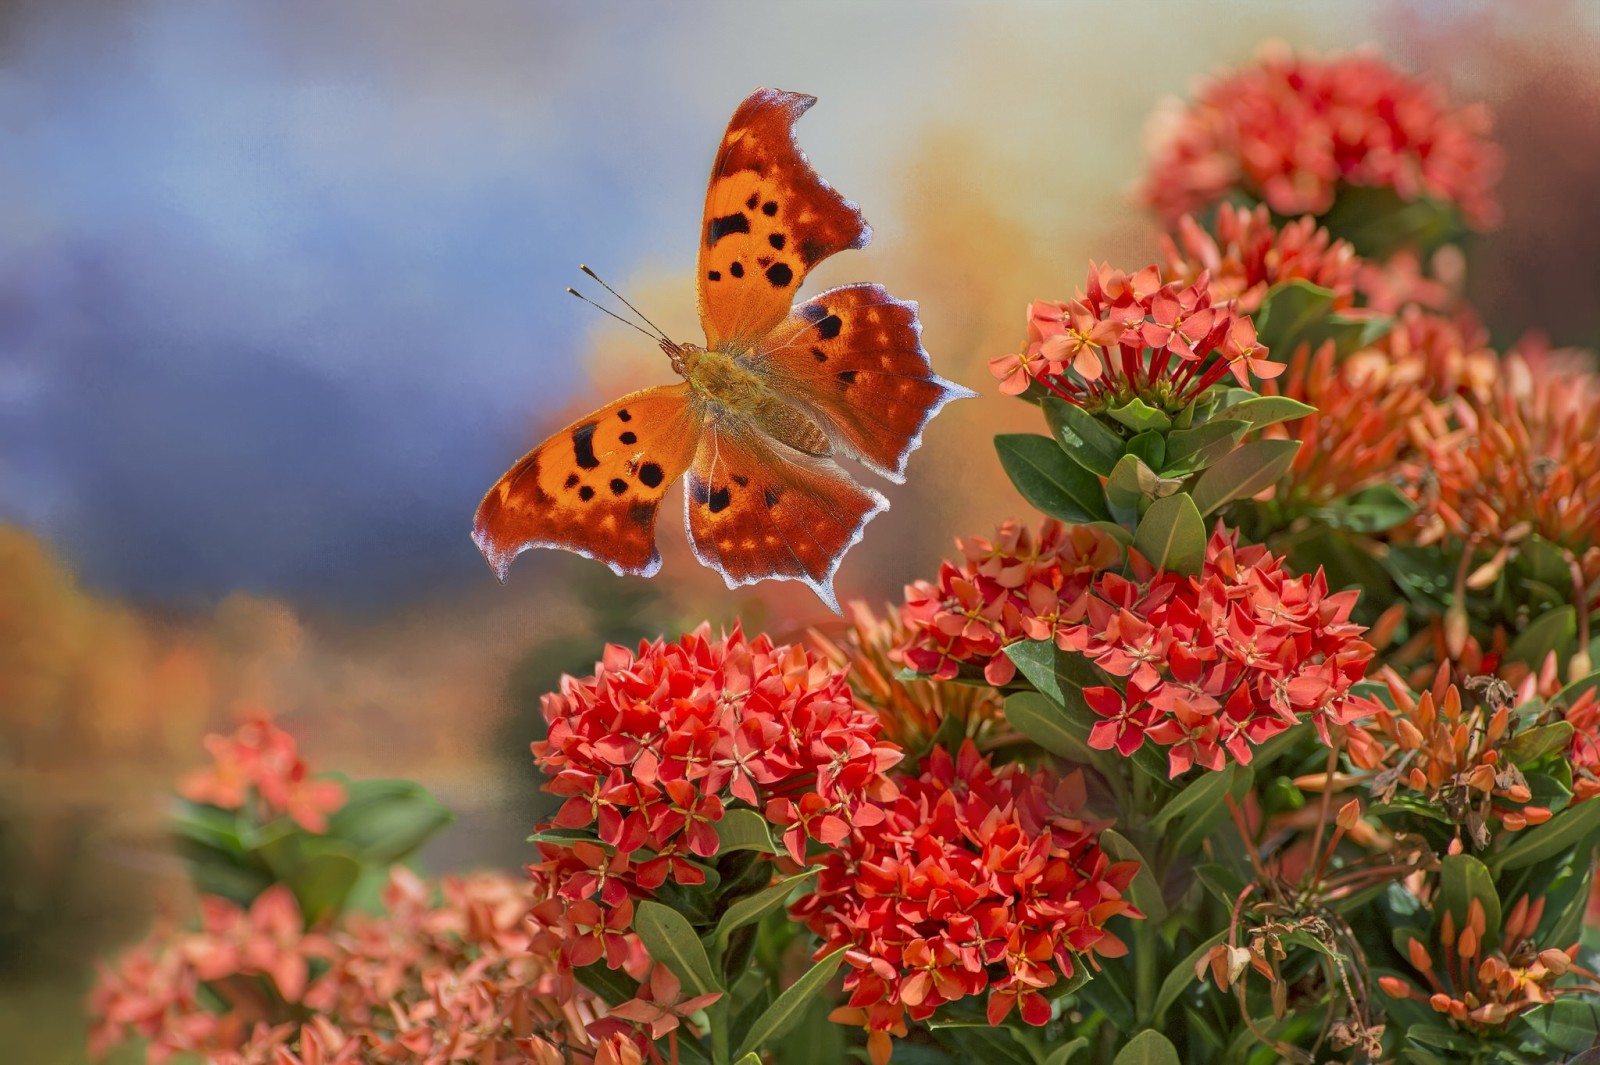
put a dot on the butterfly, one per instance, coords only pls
(778, 393)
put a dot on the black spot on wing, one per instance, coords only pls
(848, 376)
(769, 208)
(572, 480)
(829, 327)
(771, 496)
(776, 240)
(752, 201)
(583, 446)
(741, 480)
(628, 438)
(718, 228)
(780, 275)
(624, 415)
(586, 493)
(812, 249)
(618, 486)
(737, 269)
(819, 354)
(717, 501)
(713, 275)
(651, 475)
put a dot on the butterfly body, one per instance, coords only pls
(778, 392)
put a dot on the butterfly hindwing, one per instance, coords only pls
(758, 509)
(853, 358)
(595, 486)
(768, 220)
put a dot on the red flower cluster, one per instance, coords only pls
(978, 879)
(1249, 254)
(1290, 130)
(428, 981)
(1584, 750)
(1128, 336)
(260, 763)
(654, 747)
(1220, 661)
(1017, 586)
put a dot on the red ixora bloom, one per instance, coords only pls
(1128, 336)
(1018, 586)
(655, 747)
(979, 879)
(1250, 253)
(1289, 130)
(260, 762)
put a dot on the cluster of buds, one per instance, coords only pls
(980, 879)
(1129, 336)
(258, 769)
(1249, 253)
(1291, 130)
(911, 711)
(1451, 753)
(653, 749)
(1017, 586)
(1218, 662)
(1481, 989)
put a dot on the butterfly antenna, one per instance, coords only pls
(618, 317)
(661, 333)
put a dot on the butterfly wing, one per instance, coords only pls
(758, 509)
(768, 220)
(853, 358)
(595, 486)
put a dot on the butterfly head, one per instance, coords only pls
(685, 357)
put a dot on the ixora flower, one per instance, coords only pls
(1128, 336)
(1250, 253)
(1481, 989)
(980, 879)
(260, 764)
(1290, 130)
(654, 748)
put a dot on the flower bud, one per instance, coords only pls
(1456, 628)
(1349, 815)
(1420, 959)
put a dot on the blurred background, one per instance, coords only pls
(281, 296)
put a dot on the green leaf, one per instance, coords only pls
(1530, 745)
(751, 1058)
(322, 881)
(788, 1007)
(1064, 1053)
(1568, 1023)
(1144, 890)
(1245, 471)
(1261, 411)
(1555, 630)
(1049, 480)
(1198, 796)
(1048, 725)
(612, 985)
(1195, 449)
(744, 830)
(1566, 829)
(385, 821)
(1131, 487)
(1081, 435)
(752, 908)
(1149, 1047)
(566, 837)
(1139, 416)
(1463, 878)
(1172, 535)
(1292, 311)
(1151, 447)
(1183, 975)
(670, 940)
(1371, 510)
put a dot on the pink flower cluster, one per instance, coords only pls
(1018, 586)
(654, 748)
(260, 766)
(1130, 335)
(451, 980)
(1290, 130)
(979, 879)
(1250, 253)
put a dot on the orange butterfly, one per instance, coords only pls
(777, 392)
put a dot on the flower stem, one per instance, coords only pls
(1146, 935)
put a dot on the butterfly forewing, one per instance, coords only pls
(758, 509)
(853, 358)
(595, 486)
(768, 220)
